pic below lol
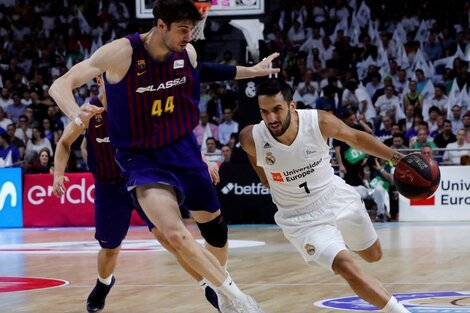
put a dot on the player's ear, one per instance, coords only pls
(160, 24)
(293, 105)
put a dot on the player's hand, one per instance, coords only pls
(342, 169)
(214, 173)
(87, 111)
(58, 187)
(265, 68)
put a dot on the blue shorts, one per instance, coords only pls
(113, 209)
(178, 164)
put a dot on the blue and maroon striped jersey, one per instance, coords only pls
(100, 152)
(155, 103)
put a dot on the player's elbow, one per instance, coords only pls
(55, 89)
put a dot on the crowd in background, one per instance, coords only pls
(396, 69)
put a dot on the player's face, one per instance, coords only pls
(276, 113)
(177, 35)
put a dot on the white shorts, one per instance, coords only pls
(336, 222)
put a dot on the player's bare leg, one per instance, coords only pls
(209, 293)
(166, 217)
(365, 286)
(107, 260)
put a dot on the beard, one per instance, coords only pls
(284, 126)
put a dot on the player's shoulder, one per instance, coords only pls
(192, 54)
(246, 135)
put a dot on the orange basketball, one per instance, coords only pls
(416, 176)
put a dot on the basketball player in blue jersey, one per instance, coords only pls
(152, 86)
(318, 212)
(113, 206)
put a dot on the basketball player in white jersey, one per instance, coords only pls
(318, 212)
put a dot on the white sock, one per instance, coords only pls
(230, 289)
(107, 280)
(393, 306)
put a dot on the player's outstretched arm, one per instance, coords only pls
(332, 127)
(61, 157)
(248, 144)
(110, 57)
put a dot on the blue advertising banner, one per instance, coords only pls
(11, 199)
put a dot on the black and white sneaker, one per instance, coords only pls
(96, 299)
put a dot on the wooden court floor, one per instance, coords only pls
(418, 257)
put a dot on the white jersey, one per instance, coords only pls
(300, 173)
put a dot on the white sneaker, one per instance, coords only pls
(247, 306)
(225, 305)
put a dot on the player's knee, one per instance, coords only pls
(215, 232)
(110, 245)
(109, 253)
(373, 256)
(162, 240)
(177, 239)
(347, 268)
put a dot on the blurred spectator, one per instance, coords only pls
(423, 140)
(384, 131)
(401, 82)
(421, 80)
(213, 154)
(15, 109)
(408, 121)
(398, 142)
(412, 132)
(204, 130)
(394, 130)
(439, 100)
(94, 92)
(39, 109)
(374, 84)
(227, 127)
(465, 160)
(307, 90)
(5, 98)
(9, 154)
(350, 159)
(23, 131)
(327, 101)
(456, 118)
(428, 151)
(51, 134)
(226, 153)
(37, 142)
(446, 137)
(4, 121)
(413, 97)
(466, 126)
(433, 48)
(388, 105)
(296, 34)
(42, 163)
(228, 58)
(432, 120)
(455, 150)
(17, 142)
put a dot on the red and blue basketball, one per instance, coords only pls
(416, 176)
